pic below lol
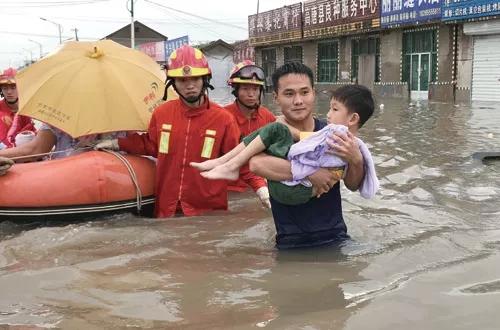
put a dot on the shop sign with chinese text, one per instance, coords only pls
(173, 44)
(243, 51)
(402, 12)
(467, 9)
(281, 24)
(336, 17)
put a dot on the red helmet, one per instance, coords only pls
(187, 61)
(247, 72)
(8, 77)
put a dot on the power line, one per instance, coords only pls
(111, 20)
(49, 4)
(45, 35)
(197, 16)
(195, 24)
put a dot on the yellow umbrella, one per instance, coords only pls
(92, 87)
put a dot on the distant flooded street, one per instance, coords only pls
(424, 254)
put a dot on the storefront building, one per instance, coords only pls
(416, 52)
(399, 48)
(478, 48)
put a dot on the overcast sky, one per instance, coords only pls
(20, 21)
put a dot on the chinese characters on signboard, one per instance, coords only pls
(399, 12)
(464, 9)
(281, 24)
(243, 51)
(173, 44)
(149, 49)
(332, 17)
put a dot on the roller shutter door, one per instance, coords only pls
(486, 68)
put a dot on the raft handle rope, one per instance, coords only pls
(50, 153)
(133, 177)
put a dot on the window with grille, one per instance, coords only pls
(328, 63)
(293, 54)
(364, 46)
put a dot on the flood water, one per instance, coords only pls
(424, 254)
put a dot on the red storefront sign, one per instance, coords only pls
(336, 17)
(281, 24)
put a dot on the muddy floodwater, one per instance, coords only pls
(423, 254)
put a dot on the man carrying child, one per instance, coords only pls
(315, 219)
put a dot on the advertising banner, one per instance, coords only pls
(173, 44)
(281, 24)
(243, 51)
(467, 9)
(403, 12)
(335, 17)
(156, 50)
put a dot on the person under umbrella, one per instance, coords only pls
(83, 92)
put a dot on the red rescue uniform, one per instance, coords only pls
(260, 117)
(178, 135)
(12, 124)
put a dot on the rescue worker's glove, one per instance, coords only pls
(111, 144)
(5, 164)
(263, 194)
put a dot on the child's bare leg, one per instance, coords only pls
(211, 163)
(231, 169)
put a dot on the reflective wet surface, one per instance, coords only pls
(424, 254)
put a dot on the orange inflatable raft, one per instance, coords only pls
(90, 183)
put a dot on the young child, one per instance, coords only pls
(350, 107)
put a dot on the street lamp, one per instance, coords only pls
(59, 27)
(39, 44)
(31, 54)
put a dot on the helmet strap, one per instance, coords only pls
(13, 102)
(168, 83)
(206, 87)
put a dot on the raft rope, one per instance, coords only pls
(133, 176)
(50, 153)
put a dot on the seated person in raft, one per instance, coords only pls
(52, 143)
(315, 150)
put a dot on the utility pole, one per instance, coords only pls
(39, 45)
(76, 33)
(132, 28)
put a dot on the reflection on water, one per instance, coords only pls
(424, 253)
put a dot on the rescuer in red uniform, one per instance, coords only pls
(188, 129)
(247, 81)
(11, 123)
